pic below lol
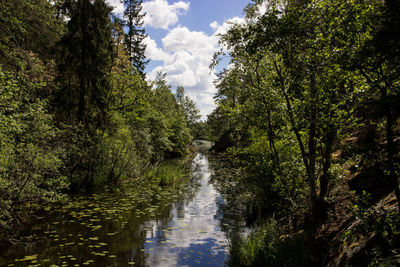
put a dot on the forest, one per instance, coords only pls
(307, 121)
(76, 110)
(309, 107)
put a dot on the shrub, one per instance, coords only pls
(264, 247)
(29, 155)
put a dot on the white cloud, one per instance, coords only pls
(214, 25)
(223, 28)
(187, 64)
(161, 15)
(186, 56)
(182, 39)
(153, 52)
(118, 7)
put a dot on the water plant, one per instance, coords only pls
(167, 173)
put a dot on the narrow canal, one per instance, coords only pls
(149, 227)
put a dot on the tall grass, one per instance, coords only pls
(168, 173)
(263, 247)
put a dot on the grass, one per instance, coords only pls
(264, 247)
(168, 173)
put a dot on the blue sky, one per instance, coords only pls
(182, 39)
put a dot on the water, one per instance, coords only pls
(194, 236)
(150, 227)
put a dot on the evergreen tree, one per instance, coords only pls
(136, 33)
(86, 58)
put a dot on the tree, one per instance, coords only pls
(189, 108)
(170, 132)
(135, 35)
(125, 145)
(377, 58)
(286, 63)
(30, 157)
(85, 60)
(21, 22)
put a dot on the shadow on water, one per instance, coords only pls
(153, 226)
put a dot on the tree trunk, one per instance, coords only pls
(81, 105)
(391, 149)
(306, 160)
(327, 158)
(312, 143)
(271, 138)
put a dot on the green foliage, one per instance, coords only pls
(136, 34)
(74, 112)
(264, 247)
(305, 75)
(392, 259)
(192, 114)
(84, 62)
(380, 227)
(170, 132)
(21, 22)
(167, 173)
(30, 159)
(201, 131)
(372, 220)
(278, 190)
(126, 143)
(259, 247)
(218, 124)
(304, 83)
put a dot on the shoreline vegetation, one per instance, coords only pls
(76, 112)
(98, 216)
(169, 176)
(166, 177)
(309, 109)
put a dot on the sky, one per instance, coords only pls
(182, 38)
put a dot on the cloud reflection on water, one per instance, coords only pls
(193, 236)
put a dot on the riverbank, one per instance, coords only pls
(84, 225)
(145, 224)
(359, 227)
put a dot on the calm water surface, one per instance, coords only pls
(194, 236)
(152, 227)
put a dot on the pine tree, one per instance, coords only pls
(86, 57)
(136, 34)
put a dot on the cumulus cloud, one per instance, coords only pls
(153, 52)
(160, 14)
(186, 56)
(118, 7)
(223, 28)
(182, 39)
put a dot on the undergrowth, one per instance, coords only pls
(265, 247)
(167, 173)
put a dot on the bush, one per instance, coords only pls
(167, 173)
(29, 155)
(264, 247)
(278, 188)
